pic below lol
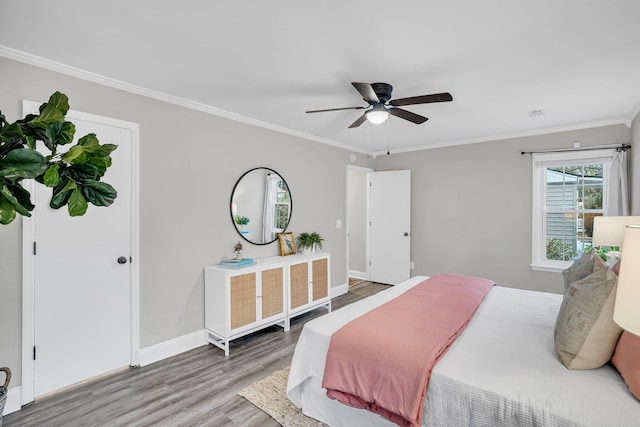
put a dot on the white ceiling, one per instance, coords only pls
(267, 62)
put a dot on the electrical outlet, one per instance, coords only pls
(413, 265)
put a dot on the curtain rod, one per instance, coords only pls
(618, 147)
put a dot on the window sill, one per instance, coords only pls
(549, 268)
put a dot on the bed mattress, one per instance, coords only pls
(502, 371)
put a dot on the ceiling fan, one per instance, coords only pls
(378, 95)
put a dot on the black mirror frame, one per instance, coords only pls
(231, 204)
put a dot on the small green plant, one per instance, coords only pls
(241, 220)
(309, 240)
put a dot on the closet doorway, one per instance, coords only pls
(357, 222)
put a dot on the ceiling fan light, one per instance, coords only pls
(377, 116)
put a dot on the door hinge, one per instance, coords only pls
(34, 248)
(34, 352)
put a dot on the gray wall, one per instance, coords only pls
(634, 155)
(471, 206)
(189, 163)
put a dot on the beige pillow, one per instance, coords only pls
(585, 333)
(580, 269)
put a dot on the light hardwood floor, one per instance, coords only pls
(196, 388)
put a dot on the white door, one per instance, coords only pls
(389, 226)
(82, 290)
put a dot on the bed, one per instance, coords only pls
(501, 371)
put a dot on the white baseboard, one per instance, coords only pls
(172, 347)
(358, 274)
(14, 399)
(336, 291)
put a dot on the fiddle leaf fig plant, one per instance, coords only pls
(73, 175)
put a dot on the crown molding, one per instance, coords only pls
(534, 132)
(68, 70)
(58, 67)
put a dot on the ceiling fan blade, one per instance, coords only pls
(335, 109)
(407, 115)
(358, 122)
(367, 92)
(424, 99)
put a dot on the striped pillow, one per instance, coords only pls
(585, 333)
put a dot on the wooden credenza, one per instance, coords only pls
(270, 292)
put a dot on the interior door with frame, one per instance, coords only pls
(389, 220)
(83, 295)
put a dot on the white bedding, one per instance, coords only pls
(502, 371)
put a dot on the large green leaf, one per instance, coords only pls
(22, 210)
(59, 101)
(99, 193)
(23, 163)
(89, 140)
(9, 144)
(75, 155)
(60, 133)
(12, 131)
(62, 192)
(101, 164)
(52, 111)
(82, 172)
(21, 194)
(48, 114)
(89, 151)
(51, 176)
(77, 203)
(7, 211)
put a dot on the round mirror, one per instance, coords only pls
(260, 206)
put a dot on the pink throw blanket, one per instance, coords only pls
(382, 360)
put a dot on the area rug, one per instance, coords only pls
(354, 281)
(269, 395)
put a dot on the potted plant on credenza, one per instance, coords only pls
(309, 242)
(73, 175)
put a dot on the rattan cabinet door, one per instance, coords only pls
(299, 284)
(320, 278)
(272, 292)
(243, 300)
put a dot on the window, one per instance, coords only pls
(569, 190)
(282, 207)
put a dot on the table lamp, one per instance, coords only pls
(609, 231)
(627, 309)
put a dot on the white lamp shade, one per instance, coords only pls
(627, 309)
(609, 230)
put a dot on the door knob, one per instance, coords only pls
(406, 234)
(122, 260)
